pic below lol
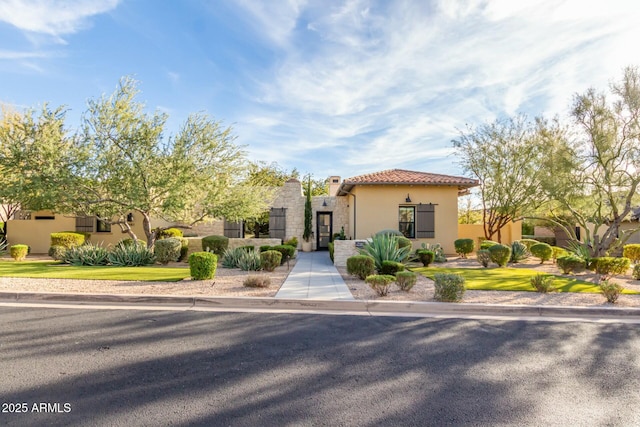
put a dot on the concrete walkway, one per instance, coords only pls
(314, 277)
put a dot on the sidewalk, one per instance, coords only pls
(314, 277)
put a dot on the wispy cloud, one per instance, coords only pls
(55, 18)
(392, 81)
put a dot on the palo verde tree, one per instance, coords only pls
(503, 156)
(593, 175)
(193, 176)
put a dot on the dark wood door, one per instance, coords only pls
(324, 229)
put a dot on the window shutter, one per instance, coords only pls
(425, 221)
(277, 223)
(233, 229)
(84, 224)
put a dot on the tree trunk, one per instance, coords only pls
(149, 233)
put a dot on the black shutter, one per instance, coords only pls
(233, 229)
(425, 221)
(277, 223)
(84, 224)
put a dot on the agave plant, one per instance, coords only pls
(384, 247)
(87, 254)
(519, 252)
(131, 256)
(230, 257)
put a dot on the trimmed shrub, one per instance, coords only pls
(257, 281)
(167, 250)
(486, 244)
(249, 261)
(19, 252)
(170, 232)
(269, 260)
(610, 266)
(384, 247)
(528, 243)
(558, 252)
(519, 252)
(403, 242)
(448, 287)
(247, 248)
(406, 280)
(484, 257)
(570, 263)
(331, 250)
(636, 272)
(361, 266)
(464, 246)
(287, 252)
(611, 291)
(87, 254)
(381, 283)
(131, 255)
(265, 248)
(291, 242)
(632, 251)
(130, 242)
(391, 267)
(184, 248)
(202, 265)
(215, 244)
(425, 256)
(542, 251)
(500, 254)
(57, 252)
(543, 283)
(437, 250)
(68, 239)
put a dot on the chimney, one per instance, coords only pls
(334, 183)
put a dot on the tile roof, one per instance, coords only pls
(401, 176)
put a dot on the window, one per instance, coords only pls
(407, 221)
(102, 226)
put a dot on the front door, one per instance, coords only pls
(324, 229)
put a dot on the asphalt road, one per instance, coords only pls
(129, 368)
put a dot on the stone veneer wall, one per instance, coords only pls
(343, 249)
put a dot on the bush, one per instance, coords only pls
(528, 243)
(57, 252)
(543, 283)
(257, 281)
(265, 248)
(215, 244)
(500, 254)
(636, 272)
(425, 256)
(610, 266)
(269, 260)
(361, 266)
(391, 267)
(87, 254)
(331, 250)
(384, 247)
(167, 250)
(291, 242)
(570, 263)
(131, 255)
(541, 251)
(68, 239)
(249, 261)
(130, 242)
(202, 265)
(403, 242)
(247, 248)
(632, 251)
(381, 283)
(611, 291)
(484, 257)
(486, 244)
(169, 232)
(437, 250)
(558, 252)
(19, 252)
(448, 287)
(287, 252)
(184, 248)
(519, 252)
(464, 247)
(406, 280)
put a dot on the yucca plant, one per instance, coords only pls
(384, 247)
(86, 254)
(131, 256)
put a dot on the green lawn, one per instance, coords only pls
(54, 270)
(510, 279)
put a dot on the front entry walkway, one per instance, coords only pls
(314, 277)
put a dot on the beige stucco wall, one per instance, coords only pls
(510, 232)
(377, 206)
(37, 232)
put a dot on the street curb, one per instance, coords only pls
(370, 307)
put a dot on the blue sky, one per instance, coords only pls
(340, 88)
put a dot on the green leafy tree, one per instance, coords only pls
(504, 157)
(196, 175)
